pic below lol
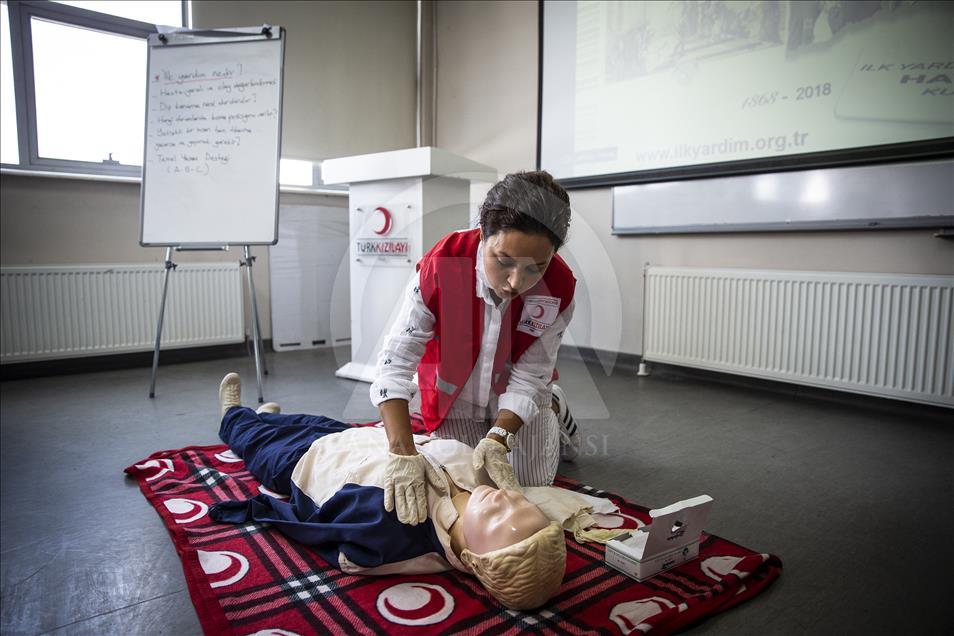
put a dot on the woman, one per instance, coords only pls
(481, 326)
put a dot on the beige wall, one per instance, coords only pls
(487, 82)
(350, 86)
(350, 71)
(46, 221)
(486, 110)
(349, 89)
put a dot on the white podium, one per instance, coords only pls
(401, 203)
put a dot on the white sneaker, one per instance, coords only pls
(230, 392)
(571, 438)
(269, 407)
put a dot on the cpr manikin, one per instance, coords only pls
(492, 518)
(512, 548)
(334, 475)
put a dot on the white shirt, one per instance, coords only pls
(414, 327)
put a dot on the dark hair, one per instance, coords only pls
(530, 202)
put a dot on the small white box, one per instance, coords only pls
(670, 540)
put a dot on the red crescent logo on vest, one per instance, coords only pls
(537, 312)
(415, 604)
(387, 221)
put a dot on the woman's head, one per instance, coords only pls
(515, 551)
(523, 222)
(528, 202)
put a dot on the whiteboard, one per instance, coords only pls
(888, 195)
(213, 138)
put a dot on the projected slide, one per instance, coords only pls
(635, 86)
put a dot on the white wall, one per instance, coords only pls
(486, 110)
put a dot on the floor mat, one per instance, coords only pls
(248, 579)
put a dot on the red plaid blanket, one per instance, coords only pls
(249, 579)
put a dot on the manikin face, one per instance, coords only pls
(515, 261)
(495, 519)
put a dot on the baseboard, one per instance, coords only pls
(139, 359)
(615, 360)
(801, 391)
(629, 363)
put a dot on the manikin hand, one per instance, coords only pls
(492, 455)
(405, 488)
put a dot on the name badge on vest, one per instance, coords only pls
(539, 312)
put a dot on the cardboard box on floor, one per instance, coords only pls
(670, 540)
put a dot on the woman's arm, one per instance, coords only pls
(405, 473)
(397, 364)
(527, 386)
(397, 425)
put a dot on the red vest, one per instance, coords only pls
(448, 287)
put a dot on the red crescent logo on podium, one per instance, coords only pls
(387, 221)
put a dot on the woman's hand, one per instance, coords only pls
(405, 488)
(492, 455)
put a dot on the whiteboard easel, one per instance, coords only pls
(212, 149)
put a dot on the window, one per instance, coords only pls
(165, 12)
(294, 172)
(9, 151)
(73, 84)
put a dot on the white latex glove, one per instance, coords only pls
(492, 455)
(405, 488)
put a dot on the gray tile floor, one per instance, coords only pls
(854, 497)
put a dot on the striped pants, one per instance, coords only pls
(536, 452)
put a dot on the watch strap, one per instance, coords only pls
(504, 433)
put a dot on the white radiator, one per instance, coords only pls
(882, 334)
(74, 310)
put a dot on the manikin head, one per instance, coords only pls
(515, 551)
(523, 222)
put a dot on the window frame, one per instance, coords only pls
(21, 52)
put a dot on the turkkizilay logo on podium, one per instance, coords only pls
(382, 245)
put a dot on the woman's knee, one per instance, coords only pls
(537, 455)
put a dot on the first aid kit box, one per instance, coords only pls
(669, 541)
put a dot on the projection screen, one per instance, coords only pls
(633, 92)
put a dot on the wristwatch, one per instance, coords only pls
(509, 439)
